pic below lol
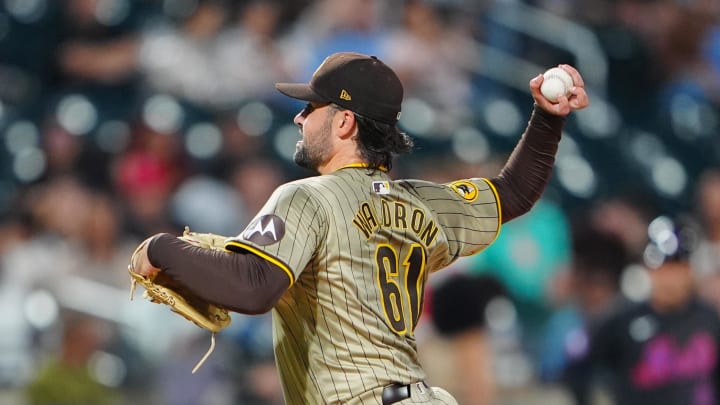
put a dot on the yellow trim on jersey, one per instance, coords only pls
(497, 199)
(265, 256)
(360, 164)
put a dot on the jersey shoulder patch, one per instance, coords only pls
(265, 230)
(465, 189)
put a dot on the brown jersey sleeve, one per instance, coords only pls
(242, 282)
(522, 180)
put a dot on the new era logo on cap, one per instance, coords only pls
(361, 83)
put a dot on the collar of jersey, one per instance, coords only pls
(361, 165)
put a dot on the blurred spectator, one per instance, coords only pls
(328, 26)
(256, 179)
(106, 247)
(681, 35)
(597, 265)
(711, 49)
(238, 144)
(664, 350)
(706, 259)
(15, 228)
(209, 205)
(69, 378)
(212, 384)
(471, 374)
(627, 34)
(625, 218)
(62, 150)
(434, 59)
(178, 58)
(591, 289)
(145, 176)
(60, 208)
(526, 256)
(256, 368)
(33, 263)
(655, 50)
(96, 47)
(28, 44)
(71, 154)
(96, 58)
(249, 61)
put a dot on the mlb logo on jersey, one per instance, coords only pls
(381, 187)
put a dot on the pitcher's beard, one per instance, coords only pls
(311, 152)
(311, 155)
(302, 158)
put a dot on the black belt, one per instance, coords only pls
(396, 392)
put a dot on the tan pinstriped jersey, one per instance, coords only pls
(358, 249)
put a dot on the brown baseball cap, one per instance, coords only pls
(361, 83)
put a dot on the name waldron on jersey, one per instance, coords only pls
(396, 215)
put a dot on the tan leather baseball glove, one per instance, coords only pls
(161, 289)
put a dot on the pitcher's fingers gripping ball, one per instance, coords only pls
(161, 289)
(556, 82)
(566, 100)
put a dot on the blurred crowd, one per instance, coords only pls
(123, 118)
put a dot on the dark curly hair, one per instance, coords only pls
(380, 142)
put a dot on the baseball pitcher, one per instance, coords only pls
(341, 259)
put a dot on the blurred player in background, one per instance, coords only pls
(470, 375)
(664, 350)
(588, 292)
(342, 258)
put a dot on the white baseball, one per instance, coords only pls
(556, 81)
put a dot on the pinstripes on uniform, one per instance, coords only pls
(358, 248)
